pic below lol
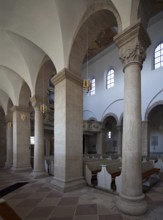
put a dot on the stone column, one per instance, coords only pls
(145, 138)
(99, 137)
(47, 147)
(85, 145)
(68, 131)
(9, 144)
(21, 139)
(119, 140)
(132, 44)
(39, 163)
(103, 140)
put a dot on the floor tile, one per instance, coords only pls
(14, 202)
(156, 197)
(40, 212)
(54, 194)
(37, 195)
(64, 218)
(89, 209)
(38, 200)
(86, 217)
(66, 201)
(28, 203)
(102, 210)
(62, 211)
(110, 217)
(19, 195)
(44, 189)
(49, 202)
(23, 211)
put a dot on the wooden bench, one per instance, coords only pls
(150, 176)
(92, 168)
(6, 212)
(106, 178)
(150, 172)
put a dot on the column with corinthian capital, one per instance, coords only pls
(39, 161)
(68, 131)
(132, 45)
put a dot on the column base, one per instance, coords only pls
(66, 186)
(39, 174)
(132, 205)
(20, 169)
(8, 165)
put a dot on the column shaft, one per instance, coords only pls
(145, 139)
(39, 142)
(9, 150)
(132, 43)
(99, 142)
(39, 160)
(132, 133)
(119, 140)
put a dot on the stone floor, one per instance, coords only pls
(38, 200)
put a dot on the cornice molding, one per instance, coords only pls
(66, 74)
(132, 32)
(20, 109)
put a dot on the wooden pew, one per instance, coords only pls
(93, 167)
(150, 175)
(106, 178)
(6, 212)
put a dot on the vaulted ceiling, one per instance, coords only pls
(30, 31)
(105, 37)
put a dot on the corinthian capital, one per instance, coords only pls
(132, 44)
(132, 52)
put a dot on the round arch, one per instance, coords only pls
(46, 72)
(98, 17)
(152, 107)
(105, 118)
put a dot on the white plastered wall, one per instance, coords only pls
(111, 100)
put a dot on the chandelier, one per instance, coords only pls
(43, 108)
(87, 85)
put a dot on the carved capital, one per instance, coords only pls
(8, 121)
(132, 44)
(132, 52)
(35, 101)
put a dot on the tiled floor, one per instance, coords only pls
(38, 200)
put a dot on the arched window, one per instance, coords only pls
(93, 86)
(158, 56)
(110, 79)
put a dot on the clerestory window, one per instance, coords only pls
(110, 79)
(158, 56)
(93, 86)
